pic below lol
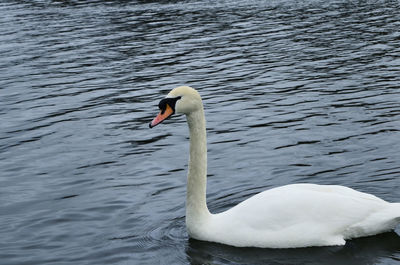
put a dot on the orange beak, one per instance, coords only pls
(163, 115)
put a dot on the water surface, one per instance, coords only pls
(294, 91)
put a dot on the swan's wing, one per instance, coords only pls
(303, 214)
(334, 207)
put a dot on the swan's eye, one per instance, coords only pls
(168, 101)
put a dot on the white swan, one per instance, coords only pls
(297, 215)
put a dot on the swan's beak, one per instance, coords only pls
(163, 115)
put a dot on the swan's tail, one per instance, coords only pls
(382, 221)
(395, 214)
(397, 209)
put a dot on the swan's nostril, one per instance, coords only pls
(162, 115)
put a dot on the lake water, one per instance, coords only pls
(294, 91)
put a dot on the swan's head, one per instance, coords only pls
(181, 100)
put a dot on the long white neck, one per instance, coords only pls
(196, 206)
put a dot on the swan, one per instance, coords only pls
(291, 216)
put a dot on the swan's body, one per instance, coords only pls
(297, 215)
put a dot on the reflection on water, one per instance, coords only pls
(358, 252)
(294, 92)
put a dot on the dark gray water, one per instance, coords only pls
(294, 91)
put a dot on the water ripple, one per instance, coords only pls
(297, 91)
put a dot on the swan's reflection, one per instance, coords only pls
(361, 251)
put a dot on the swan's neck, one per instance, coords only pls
(196, 206)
